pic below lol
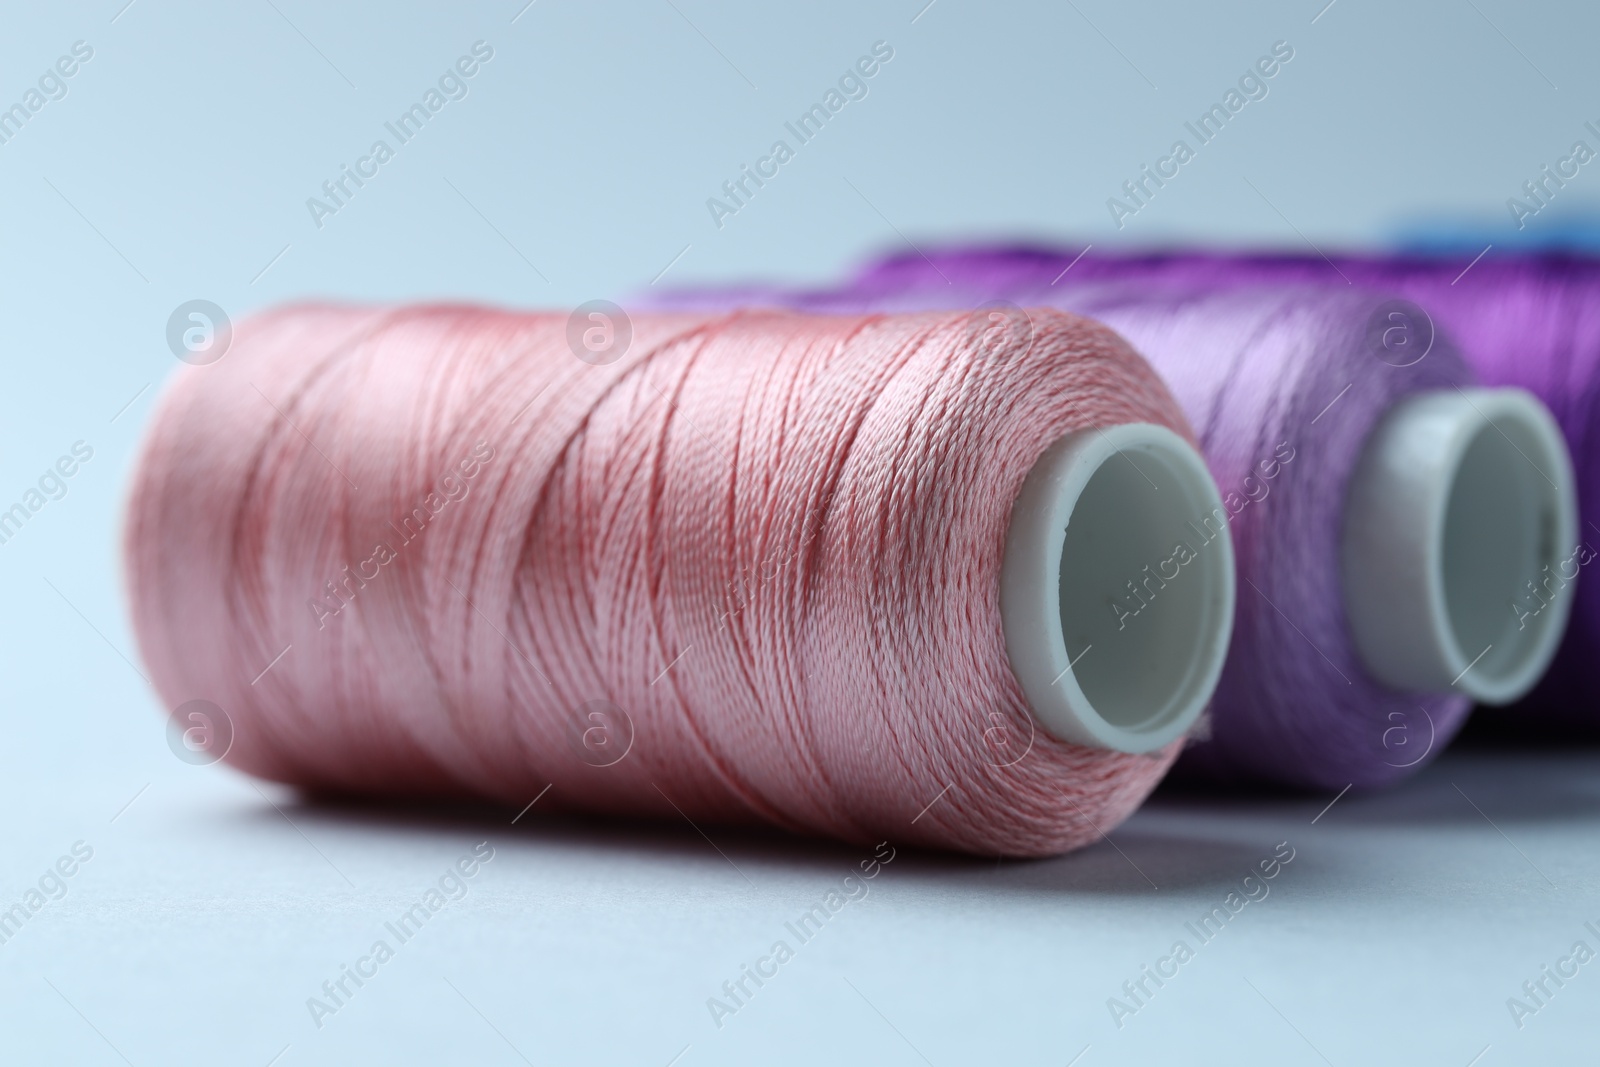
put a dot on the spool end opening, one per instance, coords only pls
(1117, 588)
(1461, 544)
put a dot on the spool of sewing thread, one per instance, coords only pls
(1384, 512)
(1524, 320)
(842, 575)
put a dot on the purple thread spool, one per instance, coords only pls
(1529, 320)
(1354, 650)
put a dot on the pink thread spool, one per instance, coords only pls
(828, 573)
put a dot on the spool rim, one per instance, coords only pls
(1091, 507)
(1460, 499)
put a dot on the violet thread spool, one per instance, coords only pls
(1370, 604)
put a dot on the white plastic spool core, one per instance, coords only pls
(1457, 549)
(1117, 634)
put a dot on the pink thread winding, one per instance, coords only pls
(758, 553)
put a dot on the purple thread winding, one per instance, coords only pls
(1255, 367)
(1527, 319)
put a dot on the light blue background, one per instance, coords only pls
(178, 166)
